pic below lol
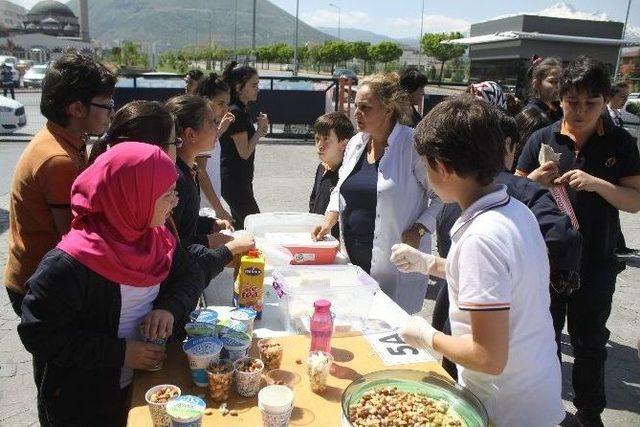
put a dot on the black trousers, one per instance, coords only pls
(587, 311)
(16, 301)
(440, 321)
(239, 196)
(9, 88)
(359, 250)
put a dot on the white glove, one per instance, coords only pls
(417, 332)
(410, 260)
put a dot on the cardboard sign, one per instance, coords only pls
(392, 350)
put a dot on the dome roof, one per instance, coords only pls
(49, 20)
(51, 7)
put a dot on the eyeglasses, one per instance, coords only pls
(109, 106)
(177, 142)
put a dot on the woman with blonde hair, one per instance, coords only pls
(382, 179)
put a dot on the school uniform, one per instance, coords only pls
(541, 106)
(498, 261)
(325, 181)
(610, 154)
(402, 198)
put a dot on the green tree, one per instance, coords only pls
(432, 73)
(360, 50)
(283, 53)
(432, 46)
(386, 52)
(333, 52)
(131, 56)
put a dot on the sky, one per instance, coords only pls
(401, 18)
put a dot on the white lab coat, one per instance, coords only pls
(403, 199)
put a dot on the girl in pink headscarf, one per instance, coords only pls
(119, 275)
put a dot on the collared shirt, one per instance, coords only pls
(41, 182)
(325, 181)
(541, 106)
(498, 261)
(404, 198)
(192, 228)
(615, 115)
(610, 154)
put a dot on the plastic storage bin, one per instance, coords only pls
(304, 250)
(281, 222)
(348, 287)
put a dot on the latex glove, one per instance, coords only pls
(417, 332)
(411, 260)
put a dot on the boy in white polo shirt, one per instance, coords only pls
(497, 269)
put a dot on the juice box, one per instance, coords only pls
(248, 286)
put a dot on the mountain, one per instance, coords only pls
(355, 34)
(187, 22)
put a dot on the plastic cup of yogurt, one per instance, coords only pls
(201, 352)
(245, 315)
(186, 411)
(236, 345)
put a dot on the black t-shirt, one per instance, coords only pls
(360, 192)
(609, 155)
(552, 115)
(325, 182)
(192, 228)
(234, 168)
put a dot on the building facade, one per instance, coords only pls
(52, 18)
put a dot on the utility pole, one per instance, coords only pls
(339, 12)
(295, 46)
(235, 30)
(253, 31)
(420, 41)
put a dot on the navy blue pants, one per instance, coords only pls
(359, 250)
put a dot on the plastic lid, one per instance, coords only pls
(253, 253)
(322, 304)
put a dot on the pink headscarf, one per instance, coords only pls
(113, 202)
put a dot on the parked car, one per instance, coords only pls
(345, 72)
(630, 116)
(12, 115)
(34, 75)
(286, 67)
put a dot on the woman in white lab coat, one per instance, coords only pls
(382, 196)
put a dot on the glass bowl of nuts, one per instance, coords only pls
(407, 397)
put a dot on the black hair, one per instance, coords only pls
(509, 129)
(337, 121)
(141, 121)
(514, 105)
(585, 74)
(541, 69)
(463, 133)
(618, 87)
(195, 74)
(74, 77)
(412, 79)
(190, 111)
(528, 121)
(234, 75)
(211, 86)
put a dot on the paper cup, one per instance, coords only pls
(248, 383)
(220, 380)
(201, 352)
(204, 315)
(270, 353)
(158, 410)
(318, 367)
(186, 411)
(236, 345)
(276, 404)
(160, 342)
(200, 329)
(245, 315)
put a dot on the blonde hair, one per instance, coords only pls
(386, 87)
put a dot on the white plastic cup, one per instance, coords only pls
(158, 411)
(186, 411)
(248, 383)
(245, 315)
(276, 404)
(236, 344)
(201, 352)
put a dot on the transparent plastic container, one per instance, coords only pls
(348, 287)
(281, 222)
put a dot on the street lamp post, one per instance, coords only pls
(235, 30)
(253, 30)
(339, 12)
(421, 32)
(295, 45)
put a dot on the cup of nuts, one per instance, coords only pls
(248, 376)
(318, 367)
(157, 398)
(220, 379)
(270, 353)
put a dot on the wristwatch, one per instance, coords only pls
(422, 230)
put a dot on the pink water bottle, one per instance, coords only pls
(321, 326)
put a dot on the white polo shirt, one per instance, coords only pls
(498, 261)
